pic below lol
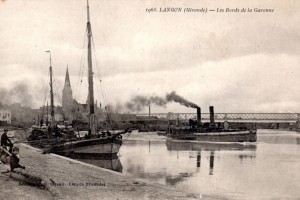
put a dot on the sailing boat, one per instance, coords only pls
(100, 146)
(37, 133)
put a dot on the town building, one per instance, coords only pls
(20, 115)
(73, 110)
(45, 115)
(5, 116)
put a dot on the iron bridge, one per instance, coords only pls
(231, 117)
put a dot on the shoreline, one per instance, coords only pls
(66, 178)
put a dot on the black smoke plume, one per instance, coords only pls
(179, 99)
(18, 94)
(138, 103)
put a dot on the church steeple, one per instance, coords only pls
(67, 96)
(67, 79)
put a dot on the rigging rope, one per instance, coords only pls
(57, 94)
(55, 87)
(81, 68)
(46, 88)
(101, 85)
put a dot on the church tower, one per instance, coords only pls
(67, 98)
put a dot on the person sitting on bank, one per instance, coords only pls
(14, 160)
(5, 141)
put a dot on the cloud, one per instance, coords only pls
(242, 84)
(234, 61)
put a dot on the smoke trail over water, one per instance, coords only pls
(138, 103)
(179, 99)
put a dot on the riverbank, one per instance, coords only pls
(70, 179)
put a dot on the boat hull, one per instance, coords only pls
(234, 136)
(100, 147)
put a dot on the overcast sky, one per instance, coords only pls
(237, 62)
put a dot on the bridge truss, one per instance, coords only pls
(219, 117)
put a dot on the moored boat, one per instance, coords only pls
(217, 136)
(95, 142)
(212, 132)
(102, 147)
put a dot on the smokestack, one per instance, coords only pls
(149, 110)
(198, 116)
(211, 115)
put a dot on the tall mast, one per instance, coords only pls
(90, 73)
(51, 94)
(47, 114)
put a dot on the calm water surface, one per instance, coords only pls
(266, 169)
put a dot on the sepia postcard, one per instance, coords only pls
(149, 99)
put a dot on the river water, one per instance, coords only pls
(266, 169)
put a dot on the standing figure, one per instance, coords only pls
(57, 132)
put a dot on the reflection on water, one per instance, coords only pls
(198, 161)
(211, 163)
(111, 164)
(230, 170)
(173, 162)
(266, 169)
(173, 180)
(177, 145)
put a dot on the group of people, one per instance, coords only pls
(54, 130)
(8, 151)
